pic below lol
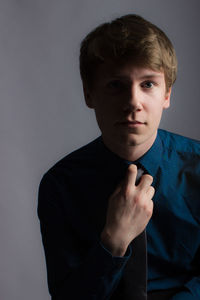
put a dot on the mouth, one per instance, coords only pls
(132, 124)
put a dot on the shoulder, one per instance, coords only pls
(79, 159)
(178, 143)
(181, 153)
(66, 176)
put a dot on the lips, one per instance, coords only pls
(132, 122)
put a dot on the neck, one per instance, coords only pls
(129, 151)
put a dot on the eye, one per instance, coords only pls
(116, 85)
(148, 84)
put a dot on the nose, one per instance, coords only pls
(133, 101)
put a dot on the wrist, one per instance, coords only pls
(113, 245)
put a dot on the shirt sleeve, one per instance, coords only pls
(191, 290)
(185, 295)
(73, 271)
(192, 286)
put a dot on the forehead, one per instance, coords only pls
(127, 71)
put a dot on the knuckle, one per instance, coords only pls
(149, 177)
(144, 207)
(147, 206)
(149, 213)
(137, 198)
(149, 209)
(152, 189)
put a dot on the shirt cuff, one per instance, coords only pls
(105, 262)
(185, 295)
(126, 255)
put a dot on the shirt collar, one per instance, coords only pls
(150, 161)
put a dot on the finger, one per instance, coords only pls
(151, 204)
(151, 192)
(145, 182)
(131, 175)
(130, 179)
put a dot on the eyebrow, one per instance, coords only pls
(150, 76)
(147, 76)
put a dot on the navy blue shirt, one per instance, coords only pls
(73, 198)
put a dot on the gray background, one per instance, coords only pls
(43, 116)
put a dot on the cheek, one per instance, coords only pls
(107, 108)
(154, 111)
(103, 114)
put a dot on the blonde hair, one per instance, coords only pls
(128, 38)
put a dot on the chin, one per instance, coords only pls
(134, 142)
(130, 140)
(136, 139)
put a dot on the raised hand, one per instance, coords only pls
(129, 211)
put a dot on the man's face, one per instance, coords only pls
(128, 102)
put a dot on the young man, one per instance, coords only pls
(98, 204)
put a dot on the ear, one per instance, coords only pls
(166, 103)
(87, 96)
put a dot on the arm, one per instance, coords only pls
(84, 272)
(73, 269)
(185, 295)
(191, 290)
